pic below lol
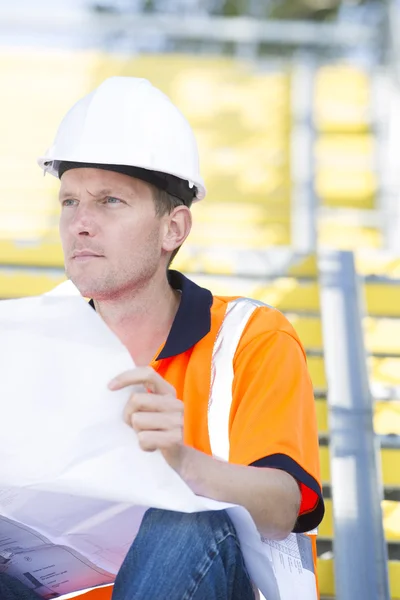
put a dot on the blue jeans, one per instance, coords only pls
(179, 556)
(175, 556)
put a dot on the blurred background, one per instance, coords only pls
(296, 108)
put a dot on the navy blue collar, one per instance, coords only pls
(192, 321)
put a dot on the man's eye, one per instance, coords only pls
(112, 200)
(68, 202)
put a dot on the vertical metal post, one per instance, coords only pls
(304, 212)
(359, 544)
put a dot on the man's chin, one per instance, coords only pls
(87, 289)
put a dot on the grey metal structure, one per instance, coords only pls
(359, 544)
(304, 209)
(392, 146)
(84, 24)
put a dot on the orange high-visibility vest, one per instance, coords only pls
(240, 368)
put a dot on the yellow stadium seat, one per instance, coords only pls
(390, 461)
(383, 299)
(345, 170)
(347, 236)
(382, 335)
(386, 416)
(348, 151)
(309, 330)
(342, 99)
(289, 294)
(377, 263)
(322, 416)
(237, 213)
(16, 283)
(352, 188)
(240, 237)
(327, 580)
(36, 253)
(383, 371)
(391, 521)
(317, 373)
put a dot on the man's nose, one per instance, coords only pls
(84, 221)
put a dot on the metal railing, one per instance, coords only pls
(360, 550)
(203, 28)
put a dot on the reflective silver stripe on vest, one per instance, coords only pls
(236, 318)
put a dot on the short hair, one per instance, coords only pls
(164, 205)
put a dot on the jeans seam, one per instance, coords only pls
(190, 593)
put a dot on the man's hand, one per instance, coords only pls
(271, 496)
(156, 414)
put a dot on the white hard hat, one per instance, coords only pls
(127, 122)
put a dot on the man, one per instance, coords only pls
(225, 378)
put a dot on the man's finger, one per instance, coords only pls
(142, 376)
(159, 440)
(140, 401)
(150, 421)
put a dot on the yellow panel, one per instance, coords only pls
(305, 267)
(372, 263)
(352, 188)
(325, 529)
(382, 335)
(348, 150)
(309, 330)
(385, 371)
(325, 464)
(36, 253)
(387, 417)
(226, 286)
(390, 466)
(394, 578)
(230, 213)
(322, 415)
(240, 237)
(343, 236)
(342, 99)
(327, 580)
(211, 260)
(205, 262)
(288, 294)
(391, 521)
(317, 372)
(15, 284)
(383, 299)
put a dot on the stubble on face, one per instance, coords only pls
(127, 234)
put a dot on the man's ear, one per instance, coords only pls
(177, 228)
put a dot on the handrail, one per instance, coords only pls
(359, 543)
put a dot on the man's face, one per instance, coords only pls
(111, 236)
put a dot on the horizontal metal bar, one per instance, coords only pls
(221, 29)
